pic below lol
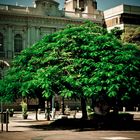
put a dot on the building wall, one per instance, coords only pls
(83, 9)
(32, 23)
(31, 28)
(122, 16)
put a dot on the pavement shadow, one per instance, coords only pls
(88, 125)
(10, 131)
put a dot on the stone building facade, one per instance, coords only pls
(83, 9)
(122, 16)
(21, 27)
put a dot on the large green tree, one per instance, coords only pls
(78, 62)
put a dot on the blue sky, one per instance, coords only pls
(102, 4)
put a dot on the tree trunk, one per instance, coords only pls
(41, 103)
(92, 103)
(83, 105)
(116, 108)
(62, 106)
(47, 110)
(115, 105)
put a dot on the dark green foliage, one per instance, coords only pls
(116, 31)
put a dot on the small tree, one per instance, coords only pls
(24, 109)
(132, 35)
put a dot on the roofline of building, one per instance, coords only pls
(123, 8)
(123, 4)
(27, 15)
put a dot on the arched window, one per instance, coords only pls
(1, 42)
(18, 43)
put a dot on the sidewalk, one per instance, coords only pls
(17, 123)
(20, 129)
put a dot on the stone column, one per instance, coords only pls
(32, 35)
(9, 43)
(28, 36)
(37, 34)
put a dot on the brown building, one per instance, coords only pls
(122, 16)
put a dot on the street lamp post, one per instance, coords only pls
(2, 65)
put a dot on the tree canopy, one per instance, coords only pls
(81, 61)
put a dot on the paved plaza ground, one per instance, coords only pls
(20, 129)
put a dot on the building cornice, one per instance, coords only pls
(26, 15)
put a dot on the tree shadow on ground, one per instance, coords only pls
(111, 121)
(87, 125)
